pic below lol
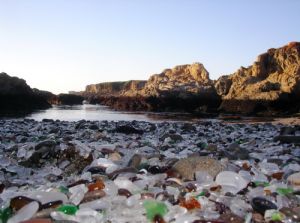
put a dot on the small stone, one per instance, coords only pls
(127, 129)
(260, 205)
(135, 161)
(93, 195)
(173, 137)
(294, 180)
(257, 218)
(187, 167)
(115, 156)
(292, 215)
(287, 139)
(229, 217)
(124, 192)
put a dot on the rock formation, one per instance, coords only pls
(17, 97)
(193, 79)
(183, 88)
(114, 88)
(272, 83)
(69, 99)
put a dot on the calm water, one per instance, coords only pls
(98, 112)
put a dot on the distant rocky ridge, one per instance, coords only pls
(270, 86)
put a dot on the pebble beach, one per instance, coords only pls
(177, 172)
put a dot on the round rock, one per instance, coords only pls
(187, 167)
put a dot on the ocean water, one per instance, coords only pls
(99, 112)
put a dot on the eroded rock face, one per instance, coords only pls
(182, 88)
(193, 79)
(273, 79)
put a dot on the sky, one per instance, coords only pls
(63, 45)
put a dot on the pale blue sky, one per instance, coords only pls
(62, 45)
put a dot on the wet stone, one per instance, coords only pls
(260, 205)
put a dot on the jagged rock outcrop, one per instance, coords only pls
(185, 79)
(17, 97)
(183, 88)
(271, 84)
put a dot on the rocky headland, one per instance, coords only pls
(18, 98)
(270, 86)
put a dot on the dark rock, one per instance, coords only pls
(69, 99)
(17, 98)
(174, 137)
(260, 205)
(127, 129)
(124, 192)
(235, 152)
(287, 139)
(94, 127)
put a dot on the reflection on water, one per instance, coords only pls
(99, 112)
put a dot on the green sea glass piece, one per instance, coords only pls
(68, 209)
(63, 189)
(154, 208)
(276, 216)
(284, 191)
(5, 214)
(259, 183)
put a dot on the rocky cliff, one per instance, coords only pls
(185, 79)
(272, 83)
(185, 87)
(17, 97)
(270, 86)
